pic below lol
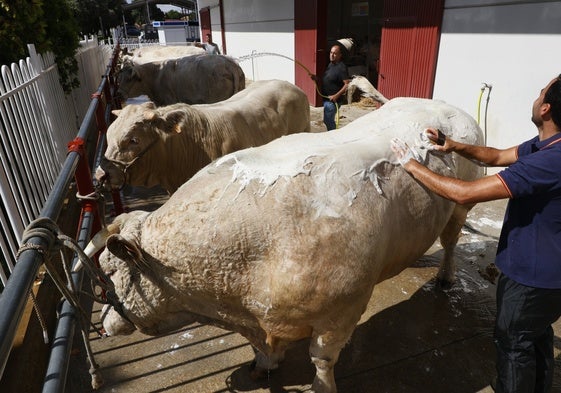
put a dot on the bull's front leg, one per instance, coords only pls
(324, 351)
(264, 363)
(448, 239)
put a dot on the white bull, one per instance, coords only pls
(361, 86)
(167, 145)
(287, 240)
(148, 54)
(196, 79)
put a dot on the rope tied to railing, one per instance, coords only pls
(42, 322)
(47, 229)
(44, 229)
(92, 196)
(95, 196)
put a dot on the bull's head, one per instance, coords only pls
(129, 137)
(127, 77)
(138, 287)
(136, 145)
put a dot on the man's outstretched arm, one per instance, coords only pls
(460, 191)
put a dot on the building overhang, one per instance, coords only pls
(188, 4)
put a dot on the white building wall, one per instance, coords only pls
(515, 47)
(258, 32)
(215, 25)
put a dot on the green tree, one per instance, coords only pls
(56, 26)
(156, 13)
(50, 26)
(21, 23)
(98, 16)
(173, 14)
(63, 40)
(139, 16)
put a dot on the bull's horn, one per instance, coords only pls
(97, 242)
(100, 174)
(93, 246)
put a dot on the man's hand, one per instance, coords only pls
(403, 152)
(434, 139)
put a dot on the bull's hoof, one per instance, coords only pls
(258, 373)
(443, 285)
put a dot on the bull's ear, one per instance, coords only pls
(116, 112)
(175, 121)
(123, 249)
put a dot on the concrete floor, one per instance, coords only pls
(412, 338)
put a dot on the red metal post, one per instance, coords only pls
(84, 182)
(100, 114)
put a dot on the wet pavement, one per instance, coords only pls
(413, 338)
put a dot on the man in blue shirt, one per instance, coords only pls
(529, 249)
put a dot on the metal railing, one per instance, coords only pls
(37, 120)
(38, 245)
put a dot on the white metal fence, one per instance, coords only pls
(37, 121)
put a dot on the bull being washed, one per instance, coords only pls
(196, 79)
(287, 240)
(167, 145)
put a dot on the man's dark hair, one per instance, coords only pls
(553, 98)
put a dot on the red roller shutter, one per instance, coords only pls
(409, 47)
(310, 21)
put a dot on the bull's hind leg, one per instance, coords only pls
(448, 239)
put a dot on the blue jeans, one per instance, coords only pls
(329, 113)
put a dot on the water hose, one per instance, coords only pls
(479, 104)
(310, 74)
(486, 86)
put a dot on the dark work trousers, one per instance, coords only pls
(524, 336)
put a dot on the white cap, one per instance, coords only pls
(346, 42)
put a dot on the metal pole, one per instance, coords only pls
(148, 11)
(55, 379)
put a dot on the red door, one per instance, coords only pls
(409, 47)
(204, 20)
(206, 27)
(310, 22)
